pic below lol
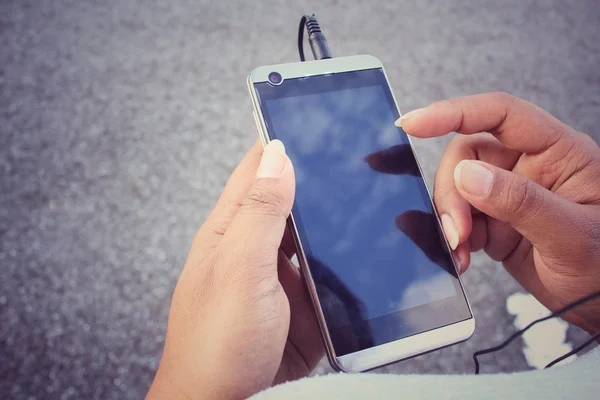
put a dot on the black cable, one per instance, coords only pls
(575, 350)
(522, 331)
(301, 38)
(316, 38)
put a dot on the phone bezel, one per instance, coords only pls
(387, 353)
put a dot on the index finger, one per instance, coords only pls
(518, 124)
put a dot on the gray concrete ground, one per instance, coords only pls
(121, 120)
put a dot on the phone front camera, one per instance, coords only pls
(275, 78)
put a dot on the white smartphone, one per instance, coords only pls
(373, 256)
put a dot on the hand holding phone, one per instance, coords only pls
(526, 193)
(240, 318)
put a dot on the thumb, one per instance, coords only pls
(256, 231)
(538, 214)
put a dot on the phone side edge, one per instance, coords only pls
(256, 111)
(310, 286)
(300, 254)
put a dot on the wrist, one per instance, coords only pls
(169, 386)
(164, 387)
(185, 383)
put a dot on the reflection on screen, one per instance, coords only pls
(367, 226)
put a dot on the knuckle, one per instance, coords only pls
(244, 264)
(586, 149)
(259, 266)
(265, 289)
(471, 144)
(557, 161)
(591, 229)
(456, 105)
(262, 200)
(511, 103)
(523, 200)
(586, 141)
(507, 98)
(442, 192)
(462, 147)
(211, 227)
(252, 275)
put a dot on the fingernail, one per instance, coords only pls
(450, 231)
(412, 114)
(463, 262)
(458, 263)
(473, 178)
(273, 160)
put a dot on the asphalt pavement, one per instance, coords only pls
(120, 122)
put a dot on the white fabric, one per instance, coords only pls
(577, 380)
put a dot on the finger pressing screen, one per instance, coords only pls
(518, 124)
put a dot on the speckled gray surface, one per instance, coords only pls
(121, 120)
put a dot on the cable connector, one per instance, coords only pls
(316, 38)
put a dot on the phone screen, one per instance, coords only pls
(372, 241)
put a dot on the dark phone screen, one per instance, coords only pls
(366, 223)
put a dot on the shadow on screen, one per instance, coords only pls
(417, 225)
(395, 160)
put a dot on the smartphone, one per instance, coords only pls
(376, 264)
